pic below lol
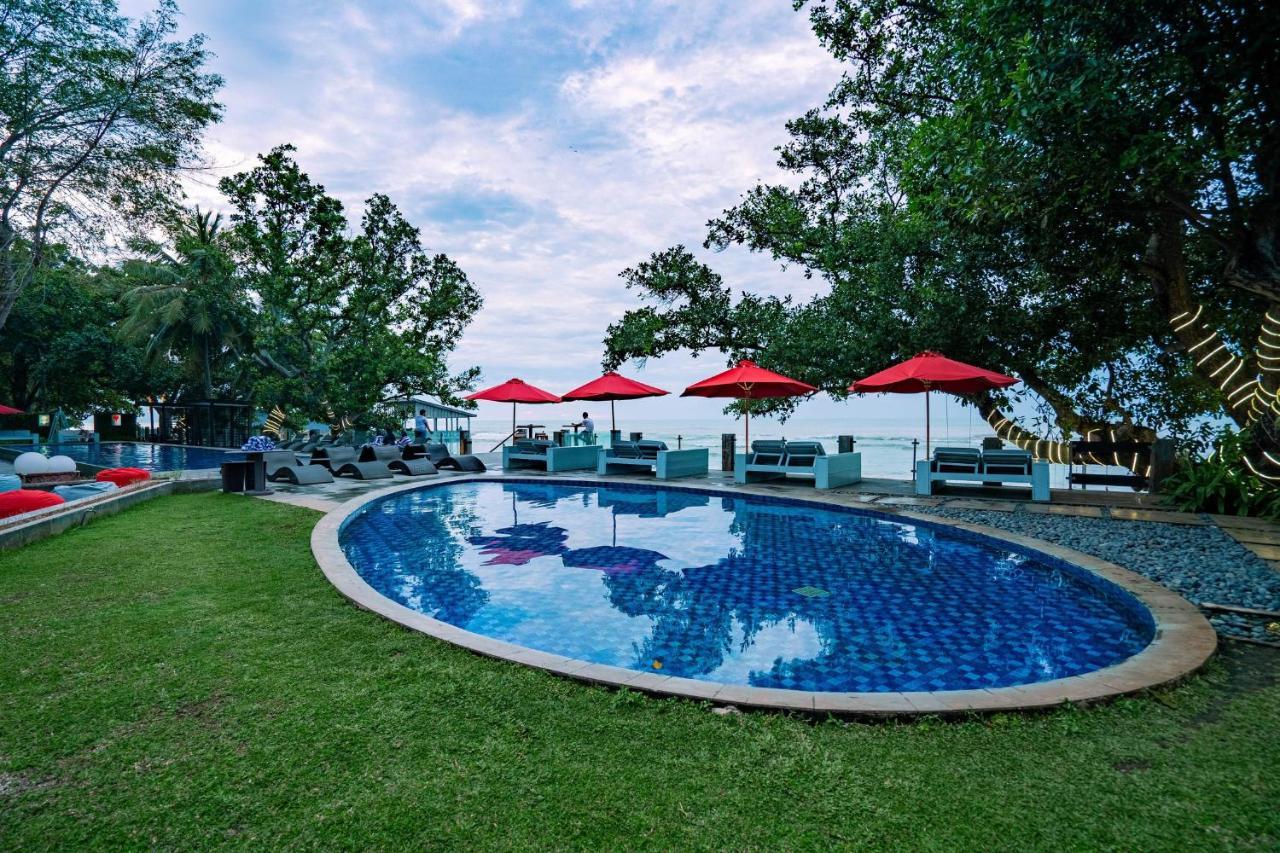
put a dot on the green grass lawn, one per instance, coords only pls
(182, 674)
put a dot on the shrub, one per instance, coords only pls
(1220, 483)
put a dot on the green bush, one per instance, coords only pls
(1221, 483)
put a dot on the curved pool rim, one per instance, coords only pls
(1183, 640)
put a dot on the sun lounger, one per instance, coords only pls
(1006, 462)
(438, 455)
(330, 456)
(548, 456)
(392, 456)
(957, 460)
(308, 446)
(364, 471)
(767, 452)
(989, 467)
(628, 457)
(773, 460)
(342, 462)
(282, 466)
(413, 467)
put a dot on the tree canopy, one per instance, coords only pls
(62, 347)
(1084, 195)
(345, 322)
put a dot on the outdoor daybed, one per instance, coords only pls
(967, 465)
(628, 457)
(772, 460)
(282, 466)
(549, 456)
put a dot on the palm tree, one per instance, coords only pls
(185, 302)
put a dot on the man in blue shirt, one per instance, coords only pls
(420, 427)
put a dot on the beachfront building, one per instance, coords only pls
(450, 425)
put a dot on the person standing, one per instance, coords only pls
(420, 427)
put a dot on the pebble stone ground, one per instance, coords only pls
(1201, 563)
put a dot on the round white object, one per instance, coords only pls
(31, 463)
(62, 465)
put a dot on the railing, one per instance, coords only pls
(510, 436)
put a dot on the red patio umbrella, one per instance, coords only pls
(10, 410)
(514, 391)
(748, 382)
(611, 387)
(930, 371)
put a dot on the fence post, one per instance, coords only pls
(728, 446)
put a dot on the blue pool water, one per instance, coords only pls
(128, 454)
(741, 590)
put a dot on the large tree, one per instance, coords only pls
(100, 116)
(345, 322)
(1082, 194)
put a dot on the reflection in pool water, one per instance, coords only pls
(740, 590)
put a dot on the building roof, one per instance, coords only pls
(434, 408)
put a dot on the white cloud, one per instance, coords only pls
(667, 114)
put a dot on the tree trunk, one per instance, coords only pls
(1247, 386)
(10, 281)
(1165, 266)
(208, 374)
(1059, 452)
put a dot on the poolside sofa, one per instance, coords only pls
(341, 461)
(18, 436)
(393, 457)
(539, 453)
(631, 457)
(282, 466)
(989, 467)
(773, 460)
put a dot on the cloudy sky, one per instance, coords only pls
(544, 144)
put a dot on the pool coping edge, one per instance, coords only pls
(1183, 642)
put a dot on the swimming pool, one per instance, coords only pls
(740, 590)
(128, 454)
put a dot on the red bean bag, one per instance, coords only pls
(18, 501)
(123, 476)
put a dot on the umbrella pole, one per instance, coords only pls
(927, 423)
(613, 417)
(747, 423)
(513, 423)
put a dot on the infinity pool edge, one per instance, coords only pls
(1183, 640)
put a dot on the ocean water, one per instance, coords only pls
(886, 445)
